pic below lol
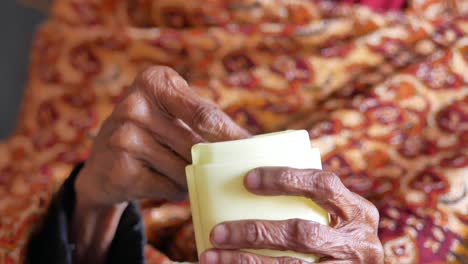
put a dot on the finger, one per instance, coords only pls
(324, 188)
(300, 235)
(131, 138)
(152, 180)
(235, 257)
(170, 93)
(138, 182)
(178, 137)
(169, 131)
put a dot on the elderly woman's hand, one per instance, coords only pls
(141, 152)
(142, 149)
(351, 238)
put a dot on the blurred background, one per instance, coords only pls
(17, 25)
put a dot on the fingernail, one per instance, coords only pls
(253, 179)
(210, 257)
(220, 234)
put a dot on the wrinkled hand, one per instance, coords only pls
(142, 149)
(141, 152)
(351, 238)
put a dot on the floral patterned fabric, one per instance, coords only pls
(383, 95)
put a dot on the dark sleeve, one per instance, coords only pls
(51, 244)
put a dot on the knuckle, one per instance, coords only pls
(117, 180)
(254, 232)
(117, 139)
(368, 214)
(330, 179)
(160, 80)
(205, 117)
(134, 107)
(124, 136)
(123, 109)
(306, 233)
(331, 183)
(287, 178)
(153, 75)
(372, 214)
(248, 259)
(375, 252)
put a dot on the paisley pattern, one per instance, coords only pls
(383, 95)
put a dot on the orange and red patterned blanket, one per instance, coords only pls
(384, 96)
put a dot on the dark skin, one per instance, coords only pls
(141, 152)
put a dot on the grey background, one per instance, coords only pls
(17, 26)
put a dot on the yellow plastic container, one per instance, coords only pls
(217, 192)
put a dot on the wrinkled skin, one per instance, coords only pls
(351, 238)
(146, 141)
(141, 152)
